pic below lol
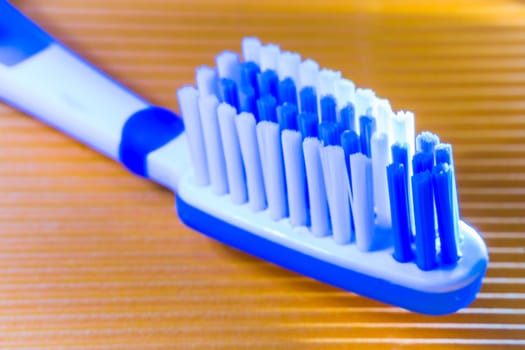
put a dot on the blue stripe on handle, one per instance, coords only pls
(20, 38)
(146, 131)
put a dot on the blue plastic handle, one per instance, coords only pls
(20, 38)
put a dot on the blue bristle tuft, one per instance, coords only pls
(328, 109)
(422, 161)
(287, 92)
(424, 219)
(287, 115)
(448, 226)
(348, 117)
(228, 92)
(426, 142)
(266, 106)
(307, 123)
(350, 143)
(400, 213)
(308, 98)
(444, 154)
(367, 126)
(268, 82)
(247, 100)
(249, 73)
(329, 133)
(400, 154)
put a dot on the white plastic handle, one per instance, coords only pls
(66, 92)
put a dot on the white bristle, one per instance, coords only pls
(228, 65)
(363, 201)
(245, 123)
(364, 102)
(251, 48)
(212, 141)
(344, 92)
(327, 79)
(189, 106)
(272, 160)
(262, 151)
(336, 183)
(288, 66)
(383, 116)
(380, 160)
(232, 153)
(269, 57)
(319, 217)
(206, 78)
(308, 74)
(403, 131)
(295, 176)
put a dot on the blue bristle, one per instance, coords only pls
(249, 73)
(247, 100)
(350, 143)
(307, 123)
(348, 117)
(426, 141)
(422, 161)
(287, 115)
(444, 154)
(400, 154)
(424, 219)
(367, 126)
(329, 133)
(268, 83)
(266, 106)
(228, 92)
(287, 92)
(448, 226)
(400, 213)
(328, 109)
(308, 98)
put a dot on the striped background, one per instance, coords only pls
(91, 257)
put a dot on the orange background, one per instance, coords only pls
(92, 257)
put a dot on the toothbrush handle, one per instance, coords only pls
(43, 78)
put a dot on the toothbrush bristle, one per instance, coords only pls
(328, 109)
(212, 140)
(308, 124)
(246, 129)
(266, 106)
(367, 127)
(305, 145)
(448, 227)
(268, 83)
(347, 116)
(287, 91)
(249, 72)
(287, 115)
(228, 91)
(400, 212)
(426, 142)
(228, 66)
(269, 57)
(424, 218)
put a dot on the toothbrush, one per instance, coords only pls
(276, 157)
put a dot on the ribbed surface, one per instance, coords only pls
(91, 257)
